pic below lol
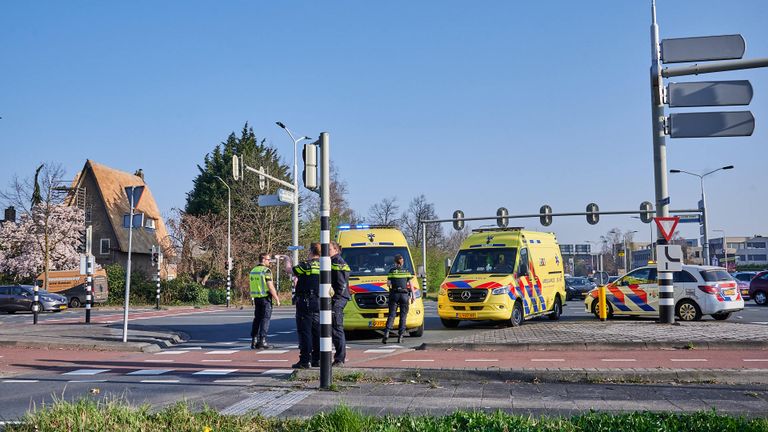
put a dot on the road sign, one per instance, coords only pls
(690, 218)
(235, 168)
(286, 196)
(137, 192)
(704, 48)
(669, 258)
(667, 225)
(710, 93)
(711, 124)
(271, 201)
(293, 248)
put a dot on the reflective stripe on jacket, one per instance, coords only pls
(259, 276)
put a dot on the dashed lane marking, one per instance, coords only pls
(755, 360)
(221, 352)
(150, 372)
(417, 360)
(688, 360)
(173, 352)
(86, 372)
(272, 352)
(215, 372)
(618, 360)
(273, 361)
(547, 360)
(379, 351)
(481, 360)
(20, 381)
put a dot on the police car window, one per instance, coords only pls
(484, 260)
(374, 261)
(715, 275)
(641, 276)
(683, 276)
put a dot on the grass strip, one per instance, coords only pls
(115, 415)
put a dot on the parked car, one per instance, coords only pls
(578, 287)
(742, 279)
(758, 288)
(15, 298)
(698, 290)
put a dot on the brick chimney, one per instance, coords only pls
(10, 214)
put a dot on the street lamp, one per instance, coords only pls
(725, 248)
(593, 257)
(295, 218)
(229, 239)
(703, 206)
(627, 253)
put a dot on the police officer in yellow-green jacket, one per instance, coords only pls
(263, 294)
(400, 296)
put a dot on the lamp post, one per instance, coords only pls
(594, 261)
(295, 218)
(627, 253)
(725, 247)
(705, 240)
(229, 239)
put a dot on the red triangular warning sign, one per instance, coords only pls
(667, 225)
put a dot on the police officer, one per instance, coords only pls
(399, 282)
(339, 277)
(307, 295)
(263, 294)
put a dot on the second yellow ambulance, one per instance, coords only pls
(503, 274)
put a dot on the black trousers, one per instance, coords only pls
(403, 301)
(262, 313)
(308, 328)
(337, 329)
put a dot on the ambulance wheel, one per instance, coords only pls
(688, 311)
(419, 332)
(721, 316)
(557, 309)
(517, 315)
(449, 323)
(74, 303)
(597, 313)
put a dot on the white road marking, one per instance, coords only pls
(174, 352)
(380, 350)
(19, 381)
(277, 372)
(547, 360)
(150, 372)
(272, 361)
(481, 360)
(291, 347)
(286, 332)
(618, 360)
(417, 360)
(688, 360)
(755, 360)
(221, 352)
(233, 381)
(272, 352)
(159, 381)
(215, 372)
(86, 372)
(227, 343)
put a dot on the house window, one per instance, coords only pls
(138, 218)
(104, 246)
(756, 245)
(88, 213)
(149, 223)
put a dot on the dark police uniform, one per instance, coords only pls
(308, 312)
(399, 296)
(339, 277)
(259, 278)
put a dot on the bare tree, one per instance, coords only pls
(385, 212)
(420, 209)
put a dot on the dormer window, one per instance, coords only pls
(149, 223)
(138, 218)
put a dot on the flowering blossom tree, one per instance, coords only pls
(45, 239)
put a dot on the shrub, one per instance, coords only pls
(217, 296)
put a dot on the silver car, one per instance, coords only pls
(15, 298)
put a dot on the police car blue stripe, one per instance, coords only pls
(640, 303)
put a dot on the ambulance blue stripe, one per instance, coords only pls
(461, 284)
(357, 244)
(640, 303)
(386, 244)
(499, 244)
(475, 246)
(371, 287)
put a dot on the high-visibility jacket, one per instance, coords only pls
(259, 277)
(339, 276)
(399, 280)
(308, 275)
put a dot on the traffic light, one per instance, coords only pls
(458, 225)
(646, 208)
(309, 174)
(546, 212)
(155, 256)
(81, 249)
(592, 214)
(502, 220)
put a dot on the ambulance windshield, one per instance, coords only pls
(374, 261)
(485, 260)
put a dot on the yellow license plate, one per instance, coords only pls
(729, 292)
(62, 307)
(377, 324)
(467, 315)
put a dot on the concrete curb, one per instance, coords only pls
(562, 375)
(140, 341)
(599, 346)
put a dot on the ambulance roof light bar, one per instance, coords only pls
(362, 226)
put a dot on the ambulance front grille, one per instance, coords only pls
(474, 296)
(372, 300)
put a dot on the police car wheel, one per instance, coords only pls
(609, 310)
(517, 315)
(557, 310)
(419, 332)
(688, 311)
(449, 323)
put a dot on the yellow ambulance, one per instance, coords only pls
(370, 250)
(503, 274)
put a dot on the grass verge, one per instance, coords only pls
(90, 415)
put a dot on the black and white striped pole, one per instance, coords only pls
(326, 374)
(88, 286)
(157, 293)
(36, 302)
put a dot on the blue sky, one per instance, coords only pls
(477, 105)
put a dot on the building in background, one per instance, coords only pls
(740, 251)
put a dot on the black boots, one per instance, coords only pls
(253, 343)
(261, 344)
(399, 338)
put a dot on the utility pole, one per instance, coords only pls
(325, 263)
(229, 239)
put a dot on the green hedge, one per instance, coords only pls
(143, 290)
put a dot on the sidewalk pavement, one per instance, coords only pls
(612, 335)
(94, 336)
